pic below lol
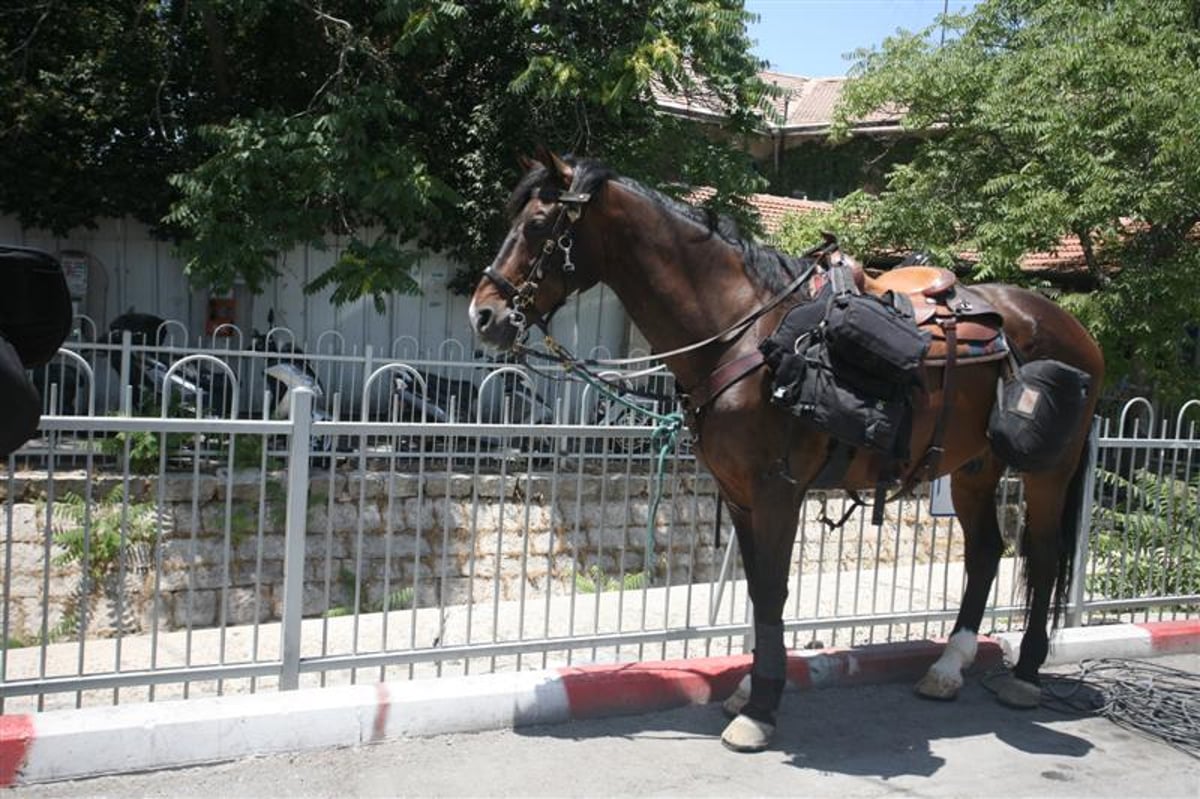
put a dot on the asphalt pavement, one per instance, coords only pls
(874, 740)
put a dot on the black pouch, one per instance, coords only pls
(783, 351)
(20, 406)
(845, 394)
(35, 306)
(1034, 412)
(876, 336)
(828, 398)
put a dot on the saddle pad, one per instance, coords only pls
(968, 351)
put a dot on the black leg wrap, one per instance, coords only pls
(769, 674)
(765, 694)
(770, 655)
(1033, 655)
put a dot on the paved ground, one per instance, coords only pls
(864, 741)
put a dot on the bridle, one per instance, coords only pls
(522, 299)
(523, 308)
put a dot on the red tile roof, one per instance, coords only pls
(1066, 256)
(810, 102)
(771, 207)
(805, 105)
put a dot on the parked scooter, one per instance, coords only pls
(194, 385)
(506, 399)
(286, 373)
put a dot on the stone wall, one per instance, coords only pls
(209, 548)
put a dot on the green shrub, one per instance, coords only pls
(1147, 541)
(399, 599)
(594, 580)
(105, 543)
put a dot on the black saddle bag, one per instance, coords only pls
(878, 337)
(35, 306)
(832, 399)
(847, 364)
(1034, 413)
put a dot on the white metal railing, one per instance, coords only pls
(107, 366)
(161, 556)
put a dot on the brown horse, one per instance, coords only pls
(684, 278)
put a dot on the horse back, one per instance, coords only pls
(1038, 328)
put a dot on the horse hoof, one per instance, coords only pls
(1018, 693)
(744, 734)
(738, 699)
(939, 685)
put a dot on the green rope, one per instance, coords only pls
(665, 437)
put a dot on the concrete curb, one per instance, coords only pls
(69, 744)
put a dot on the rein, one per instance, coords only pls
(522, 300)
(727, 335)
(665, 435)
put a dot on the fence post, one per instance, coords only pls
(1083, 538)
(126, 380)
(368, 369)
(295, 526)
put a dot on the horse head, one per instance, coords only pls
(535, 271)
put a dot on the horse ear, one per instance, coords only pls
(526, 163)
(544, 156)
(556, 165)
(565, 172)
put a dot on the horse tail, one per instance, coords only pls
(1069, 538)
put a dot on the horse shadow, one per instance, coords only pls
(879, 731)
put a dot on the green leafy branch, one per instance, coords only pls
(98, 536)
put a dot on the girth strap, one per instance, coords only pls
(926, 467)
(721, 379)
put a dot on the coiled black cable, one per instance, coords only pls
(1143, 696)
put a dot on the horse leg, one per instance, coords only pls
(973, 488)
(1043, 547)
(745, 538)
(767, 558)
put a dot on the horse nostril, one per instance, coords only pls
(483, 318)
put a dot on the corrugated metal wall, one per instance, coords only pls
(143, 273)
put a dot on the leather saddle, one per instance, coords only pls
(940, 303)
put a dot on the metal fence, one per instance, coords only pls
(191, 552)
(1143, 513)
(243, 374)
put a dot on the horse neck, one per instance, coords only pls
(679, 282)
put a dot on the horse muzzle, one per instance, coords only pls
(497, 327)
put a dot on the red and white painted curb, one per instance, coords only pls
(1072, 644)
(69, 744)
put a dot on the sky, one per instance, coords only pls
(810, 37)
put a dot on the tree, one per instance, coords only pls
(245, 127)
(1042, 119)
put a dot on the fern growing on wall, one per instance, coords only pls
(1147, 540)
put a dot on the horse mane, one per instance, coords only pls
(765, 265)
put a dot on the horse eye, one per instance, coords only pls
(537, 224)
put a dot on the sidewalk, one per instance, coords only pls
(79, 743)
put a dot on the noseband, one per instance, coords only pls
(522, 300)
